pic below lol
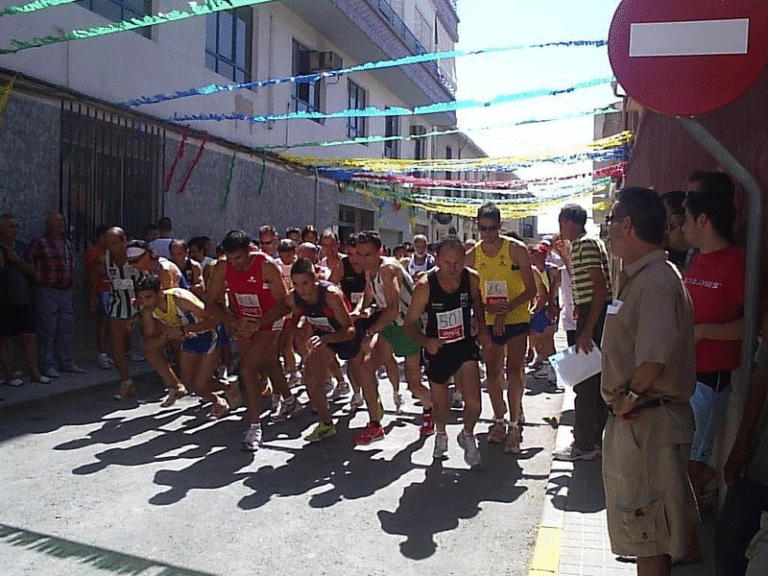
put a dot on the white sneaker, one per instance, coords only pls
(342, 389)
(441, 446)
(287, 407)
(573, 452)
(542, 371)
(252, 438)
(469, 444)
(356, 402)
(103, 361)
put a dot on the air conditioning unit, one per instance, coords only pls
(324, 61)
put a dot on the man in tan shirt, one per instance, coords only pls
(648, 377)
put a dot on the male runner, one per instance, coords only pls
(507, 286)
(449, 294)
(286, 252)
(323, 329)
(190, 268)
(254, 284)
(390, 287)
(329, 243)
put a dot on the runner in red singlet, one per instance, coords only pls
(254, 285)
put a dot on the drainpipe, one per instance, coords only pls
(754, 232)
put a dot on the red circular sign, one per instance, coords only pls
(688, 57)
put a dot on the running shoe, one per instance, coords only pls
(371, 433)
(441, 447)
(51, 373)
(287, 407)
(573, 452)
(329, 386)
(252, 438)
(321, 431)
(275, 399)
(135, 356)
(457, 402)
(469, 445)
(427, 424)
(497, 432)
(127, 389)
(294, 379)
(15, 382)
(103, 361)
(512, 442)
(73, 369)
(41, 379)
(342, 389)
(173, 395)
(398, 398)
(356, 402)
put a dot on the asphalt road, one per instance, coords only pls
(93, 486)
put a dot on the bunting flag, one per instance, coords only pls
(208, 7)
(366, 67)
(372, 112)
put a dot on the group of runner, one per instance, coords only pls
(277, 297)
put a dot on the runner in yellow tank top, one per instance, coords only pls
(507, 287)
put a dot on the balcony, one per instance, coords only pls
(370, 30)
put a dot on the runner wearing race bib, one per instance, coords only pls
(286, 257)
(254, 285)
(448, 295)
(507, 286)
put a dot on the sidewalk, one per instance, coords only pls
(32, 393)
(573, 536)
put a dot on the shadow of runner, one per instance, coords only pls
(102, 558)
(448, 495)
(584, 492)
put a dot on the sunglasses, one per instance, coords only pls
(487, 228)
(135, 260)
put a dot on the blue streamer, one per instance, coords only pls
(372, 112)
(308, 78)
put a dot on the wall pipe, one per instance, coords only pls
(754, 231)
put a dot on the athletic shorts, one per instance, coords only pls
(709, 407)
(402, 344)
(204, 343)
(540, 321)
(448, 360)
(102, 304)
(16, 319)
(510, 331)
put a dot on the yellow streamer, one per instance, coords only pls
(5, 94)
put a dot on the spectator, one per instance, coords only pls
(162, 244)
(98, 293)
(648, 377)
(16, 316)
(293, 234)
(746, 474)
(309, 234)
(421, 262)
(150, 232)
(715, 280)
(677, 246)
(54, 262)
(591, 287)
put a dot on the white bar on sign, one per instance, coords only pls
(694, 38)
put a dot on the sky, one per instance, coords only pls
(485, 23)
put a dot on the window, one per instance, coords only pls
(448, 156)
(528, 226)
(306, 95)
(228, 40)
(419, 144)
(119, 10)
(357, 101)
(391, 129)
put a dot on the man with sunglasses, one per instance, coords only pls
(507, 286)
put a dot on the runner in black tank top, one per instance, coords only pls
(450, 297)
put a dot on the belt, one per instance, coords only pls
(655, 403)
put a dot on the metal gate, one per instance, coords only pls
(111, 171)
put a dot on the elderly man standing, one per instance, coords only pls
(649, 372)
(54, 262)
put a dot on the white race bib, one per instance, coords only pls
(322, 324)
(450, 325)
(615, 306)
(122, 284)
(496, 291)
(249, 305)
(356, 297)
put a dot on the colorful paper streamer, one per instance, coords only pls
(372, 112)
(5, 94)
(209, 7)
(366, 67)
(33, 6)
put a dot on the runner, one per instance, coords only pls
(122, 279)
(190, 269)
(198, 251)
(286, 251)
(329, 243)
(254, 284)
(268, 240)
(178, 315)
(144, 259)
(449, 294)
(390, 287)
(323, 329)
(507, 286)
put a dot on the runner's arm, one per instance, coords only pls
(419, 303)
(518, 252)
(215, 301)
(198, 282)
(208, 322)
(335, 300)
(392, 296)
(478, 310)
(271, 273)
(280, 309)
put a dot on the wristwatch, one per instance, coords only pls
(632, 396)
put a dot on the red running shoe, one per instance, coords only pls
(427, 424)
(371, 433)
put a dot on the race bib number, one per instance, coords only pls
(122, 284)
(356, 297)
(249, 305)
(496, 291)
(450, 325)
(321, 324)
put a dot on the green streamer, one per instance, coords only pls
(228, 188)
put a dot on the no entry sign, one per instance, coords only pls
(688, 57)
